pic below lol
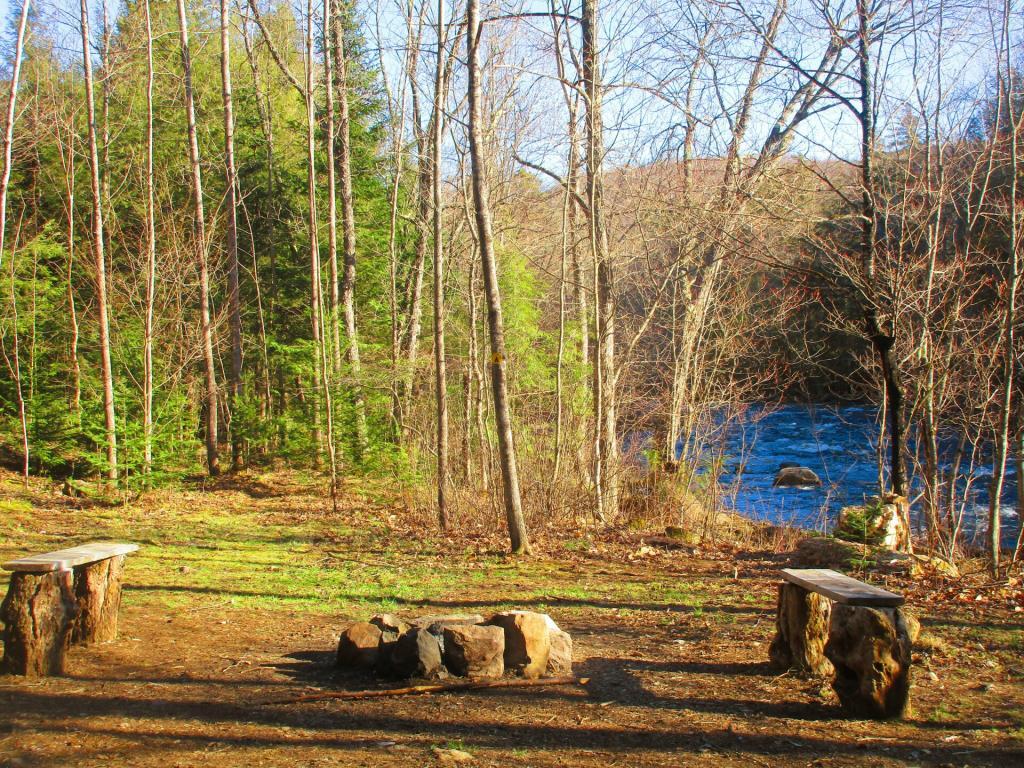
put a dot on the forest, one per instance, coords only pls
(344, 307)
(502, 263)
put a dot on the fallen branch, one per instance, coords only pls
(418, 690)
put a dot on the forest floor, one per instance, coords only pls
(236, 597)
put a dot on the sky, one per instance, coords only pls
(635, 120)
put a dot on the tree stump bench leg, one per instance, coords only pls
(38, 614)
(870, 649)
(98, 597)
(802, 627)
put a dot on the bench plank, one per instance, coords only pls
(67, 559)
(841, 588)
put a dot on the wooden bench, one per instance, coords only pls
(58, 599)
(828, 623)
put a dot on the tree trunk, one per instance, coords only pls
(147, 339)
(99, 256)
(14, 367)
(881, 342)
(212, 460)
(348, 229)
(231, 181)
(320, 363)
(97, 589)
(499, 387)
(12, 99)
(440, 370)
(801, 631)
(330, 139)
(267, 128)
(469, 379)
(38, 615)
(480, 404)
(1003, 433)
(870, 649)
(413, 290)
(606, 443)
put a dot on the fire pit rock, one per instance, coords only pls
(522, 643)
(472, 650)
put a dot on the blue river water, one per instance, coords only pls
(840, 444)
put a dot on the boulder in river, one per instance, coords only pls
(794, 477)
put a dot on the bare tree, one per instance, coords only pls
(200, 246)
(499, 387)
(1009, 98)
(440, 369)
(320, 363)
(106, 371)
(231, 203)
(606, 481)
(330, 140)
(12, 100)
(147, 339)
(348, 219)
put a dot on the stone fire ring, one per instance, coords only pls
(522, 643)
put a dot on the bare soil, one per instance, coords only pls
(207, 654)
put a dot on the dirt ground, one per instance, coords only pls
(224, 622)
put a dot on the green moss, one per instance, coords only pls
(860, 524)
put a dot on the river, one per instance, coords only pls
(840, 444)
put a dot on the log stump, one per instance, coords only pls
(38, 615)
(870, 649)
(98, 595)
(802, 628)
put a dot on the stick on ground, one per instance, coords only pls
(417, 690)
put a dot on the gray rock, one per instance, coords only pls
(417, 653)
(560, 656)
(359, 646)
(792, 477)
(474, 651)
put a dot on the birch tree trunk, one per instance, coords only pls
(14, 368)
(321, 366)
(12, 99)
(147, 351)
(231, 181)
(5, 180)
(499, 387)
(206, 325)
(606, 480)
(106, 372)
(330, 139)
(348, 222)
(414, 281)
(440, 370)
